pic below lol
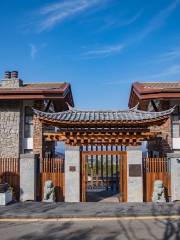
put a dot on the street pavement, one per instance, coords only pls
(144, 229)
(87, 210)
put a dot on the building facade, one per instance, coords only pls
(103, 149)
(160, 96)
(17, 100)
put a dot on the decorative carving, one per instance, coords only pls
(49, 192)
(158, 192)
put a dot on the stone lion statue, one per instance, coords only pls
(158, 192)
(49, 192)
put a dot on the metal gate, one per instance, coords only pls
(104, 170)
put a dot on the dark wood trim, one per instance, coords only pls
(48, 105)
(154, 106)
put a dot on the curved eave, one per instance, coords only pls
(148, 122)
(123, 118)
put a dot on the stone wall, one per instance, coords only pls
(37, 137)
(38, 131)
(12, 83)
(10, 134)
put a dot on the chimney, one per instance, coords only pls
(11, 80)
(14, 74)
(7, 75)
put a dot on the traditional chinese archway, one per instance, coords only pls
(84, 129)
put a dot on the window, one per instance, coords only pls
(28, 151)
(175, 130)
(28, 122)
(176, 114)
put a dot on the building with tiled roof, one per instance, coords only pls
(16, 117)
(159, 96)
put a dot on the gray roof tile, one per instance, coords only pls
(75, 115)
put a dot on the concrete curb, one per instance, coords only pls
(36, 210)
(81, 219)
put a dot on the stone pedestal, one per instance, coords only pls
(134, 174)
(72, 174)
(175, 175)
(27, 177)
(5, 198)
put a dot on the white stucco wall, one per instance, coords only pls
(176, 143)
(134, 184)
(72, 178)
(27, 177)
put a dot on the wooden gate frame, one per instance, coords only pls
(122, 170)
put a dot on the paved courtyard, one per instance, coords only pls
(108, 230)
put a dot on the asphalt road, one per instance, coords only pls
(115, 229)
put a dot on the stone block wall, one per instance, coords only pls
(37, 137)
(38, 131)
(10, 134)
(12, 83)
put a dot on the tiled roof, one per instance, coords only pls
(141, 91)
(75, 115)
(39, 86)
(161, 85)
(45, 85)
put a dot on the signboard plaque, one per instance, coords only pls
(135, 170)
(72, 168)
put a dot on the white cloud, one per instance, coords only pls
(171, 54)
(158, 20)
(113, 22)
(58, 12)
(33, 51)
(167, 72)
(131, 19)
(102, 52)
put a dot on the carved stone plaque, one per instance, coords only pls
(72, 168)
(135, 170)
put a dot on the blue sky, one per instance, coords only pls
(99, 46)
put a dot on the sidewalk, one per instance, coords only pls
(87, 210)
